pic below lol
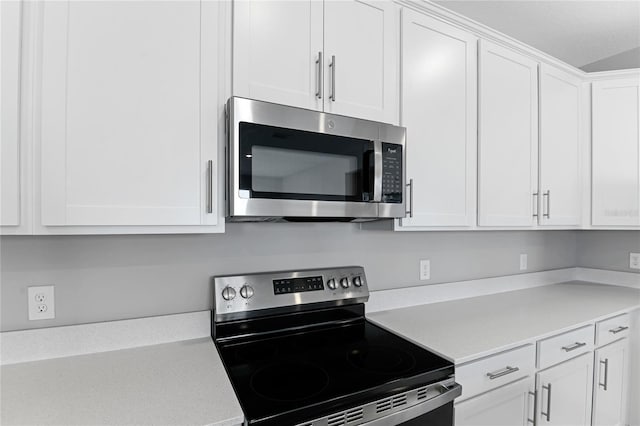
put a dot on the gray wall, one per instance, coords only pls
(100, 278)
(607, 249)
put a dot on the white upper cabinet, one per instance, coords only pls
(616, 152)
(560, 148)
(277, 52)
(10, 148)
(439, 95)
(335, 56)
(130, 114)
(508, 137)
(361, 44)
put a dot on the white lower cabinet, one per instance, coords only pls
(510, 405)
(564, 393)
(610, 384)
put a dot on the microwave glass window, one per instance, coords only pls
(277, 163)
(288, 171)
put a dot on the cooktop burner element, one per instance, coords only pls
(381, 359)
(297, 363)
(289, 381)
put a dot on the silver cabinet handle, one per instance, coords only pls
(606, 373)
(548, 413)
(210, 186)
(618, 330)
(532, 404)
(573, 347)
(503, 372)
(332, 65)
(410, 211)
(548, 195)
(319, 76)
(535, 204)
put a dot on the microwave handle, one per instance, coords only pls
(377, 170)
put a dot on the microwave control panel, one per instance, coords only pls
(392, 186)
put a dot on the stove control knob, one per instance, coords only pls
(357, 281)
(228, 293)
(332, 284)
(344, 282)
(246, 291)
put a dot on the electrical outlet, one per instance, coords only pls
(41, 302)
(634, 260)
(425, 269)
(523, 262)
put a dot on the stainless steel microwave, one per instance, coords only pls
(287, 163)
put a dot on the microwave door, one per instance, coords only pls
(290, 172)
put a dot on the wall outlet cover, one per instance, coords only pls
(523, 262)
(634, 260)
(425, 269)
(41, 302)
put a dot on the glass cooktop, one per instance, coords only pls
(301, 376)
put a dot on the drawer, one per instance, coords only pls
(612, 329)
(488, 373)
(565, 346)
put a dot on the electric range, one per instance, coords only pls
(299, 350)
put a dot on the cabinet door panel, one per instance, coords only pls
(276, 46)
(10, 15)
(510, 405)
(568, 403)
(559, 148)
(616, 152)
(439, 112)
(124, 137)
(363, 36)
(508, 131)
(610, 384)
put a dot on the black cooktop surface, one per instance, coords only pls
(305, 375)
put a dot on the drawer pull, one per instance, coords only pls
(618, 330)
(503, 372)
(573, 347)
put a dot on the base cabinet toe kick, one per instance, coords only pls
(577, 377)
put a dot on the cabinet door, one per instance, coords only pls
(560, 172)
(10, 16)
(439, 111)
(129, 113)
(616, 152)
(508, 137)
(510, 405)
(610, 384)
(361, 44)
(276, 46)
(564, 393)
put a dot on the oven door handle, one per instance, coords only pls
(448, 394)
(377, 171)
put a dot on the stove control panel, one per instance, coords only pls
(239, 295)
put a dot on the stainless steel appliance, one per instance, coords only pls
(299, 351)
(297, 164)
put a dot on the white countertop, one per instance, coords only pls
(466, 329)
(182, 383)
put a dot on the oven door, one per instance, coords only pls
(436, 411)
(289, 162)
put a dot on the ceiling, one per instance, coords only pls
(578, 32)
